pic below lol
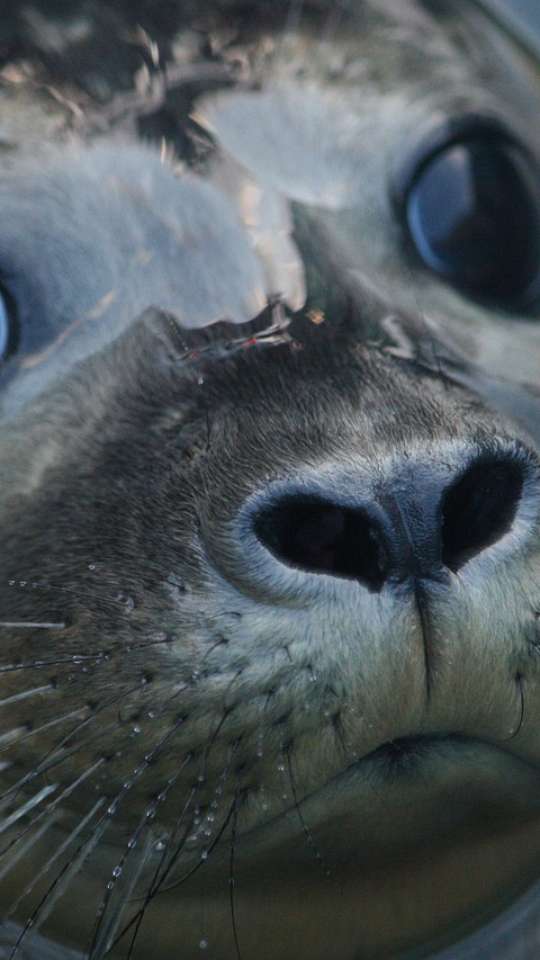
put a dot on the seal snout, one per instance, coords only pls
(419, 522)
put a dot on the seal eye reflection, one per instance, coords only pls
(472, 211)
(8, 327)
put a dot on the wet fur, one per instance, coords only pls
(142, 439)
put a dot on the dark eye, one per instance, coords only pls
(471, 207)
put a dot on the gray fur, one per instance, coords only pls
(179, 665)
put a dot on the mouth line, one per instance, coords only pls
(395, 762)
(405, 763)
(480, 785)
(404, 754)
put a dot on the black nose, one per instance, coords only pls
(413, 525)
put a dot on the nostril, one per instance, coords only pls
(315, 535)
(478, 509)
(417, 524)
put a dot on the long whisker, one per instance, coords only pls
(107, 928)
(51, 754)
(51, 806)
(154, 883)
(136, 919)
(99, 937)
(306, 830)
(55, 856)
(232, 880)
(62, 880)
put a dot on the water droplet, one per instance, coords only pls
(91, 566)
(117, 872)
(159, 845)
(200, 381)
(281, 767)
(204, 854)
(203, 944)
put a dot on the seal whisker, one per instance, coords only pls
(26, 807)
(310, 840)
(25, 694)
(62, 880)
(144, 822)
(51, 754)
(56, 761)
(9, 862)
(106, 929)
(44, 869)
(232, 879)
(222, 780)
(40, 664)
(196, 867)
(54, 803)
(137, 920)
(44, 726)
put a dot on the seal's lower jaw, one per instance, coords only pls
(421, 841)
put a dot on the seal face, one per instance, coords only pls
(270, 505)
